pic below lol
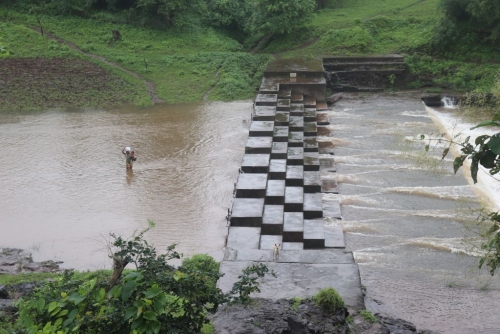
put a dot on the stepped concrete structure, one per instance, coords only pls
(278, 196)
(364, 73)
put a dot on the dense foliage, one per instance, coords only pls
(329, 299)
(157, 297)
(469, 20)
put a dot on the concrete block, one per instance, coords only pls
(310, 129)
(264, 113)
(252, 185)
(296, 109)
(297, 98)
(331, 209)
(275, 192)
(321, 105)
(272, 222)
(310, 115)
(285, 94)
(296, 123)
(268, 87)
(293, 246)
(322, 118)
(259, 145)
(282, 118)
(243, 237)
(312, 182)
(280, 134)
(313, 207)
(261, 129)
(294, 176)
(324, 131)
(330, 186)
(255, 163)
(325, 147)
(279, 150)
(247, 212)
(293, 227)
(296, 139)
(327, 165)
(310, 102)
(314, 234)
(334, 237)
(283, 105)
(267, 242)
(311, 144)
(311, 161)
(294, 199)
(277, 169)
(266, 99)
(295, 156)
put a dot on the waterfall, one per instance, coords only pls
(448, 102)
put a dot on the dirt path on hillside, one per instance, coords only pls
(148, 84)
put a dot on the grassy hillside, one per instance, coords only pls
(190, 62)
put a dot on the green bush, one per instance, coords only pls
(329, 299)
(157, 297)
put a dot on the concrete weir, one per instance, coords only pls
(278, 195)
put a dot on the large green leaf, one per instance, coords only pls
(128, 289)
(494, 143)
(486, 123)
(488, 160)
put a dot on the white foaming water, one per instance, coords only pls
(405, 224)
(449, 102)
(487, 185)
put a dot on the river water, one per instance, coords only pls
(64, 188)
(406, 223)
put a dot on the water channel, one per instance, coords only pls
(64, 188)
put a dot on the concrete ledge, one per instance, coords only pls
(243, 237)
(261, 129)
(264, 113)
(296, 139)
(296, 280)
(275, 192)
(334, 237)
(266, 99)
(313, 207)
(282, 118)
(293, 227)
(280, 134)
(279, 150)
(267, 242)
(277, 169)
(296, 123)
(247, 212)
(258, 145)
(272, 222)
(299, 255)
(331, 209)
(255, 163)
(314, 234)
(296, 109)
(252, 185)
(294, 199)
(283, 105)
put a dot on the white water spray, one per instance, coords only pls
(449, 102)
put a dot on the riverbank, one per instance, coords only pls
(198, 62)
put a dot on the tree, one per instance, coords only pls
(157, 297)
(464, 17)
(270, 17)
(167, 10)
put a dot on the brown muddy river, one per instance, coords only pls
(64, 186)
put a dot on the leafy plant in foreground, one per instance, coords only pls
(157, 297)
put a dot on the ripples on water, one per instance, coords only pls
(405, 224)
(65, 187)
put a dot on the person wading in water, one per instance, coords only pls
(129, 157)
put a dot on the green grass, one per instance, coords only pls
(6, 279)
(185, 63)
(368, 316)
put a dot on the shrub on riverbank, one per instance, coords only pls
(157, 297)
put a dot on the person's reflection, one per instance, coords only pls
(130, 176)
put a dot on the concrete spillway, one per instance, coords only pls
(278, 196)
